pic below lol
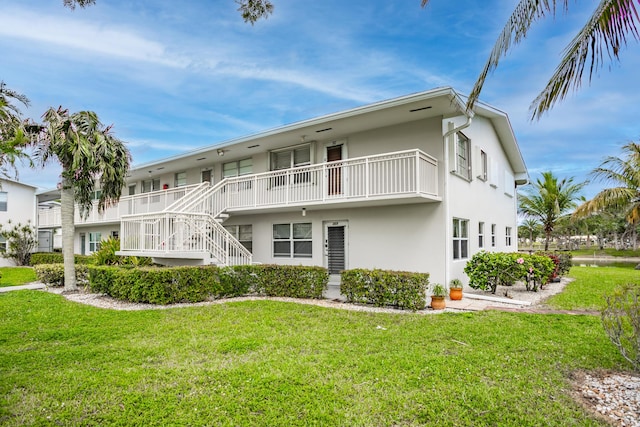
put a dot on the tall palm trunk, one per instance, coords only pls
(67, 207)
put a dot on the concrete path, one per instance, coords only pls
(23, 287)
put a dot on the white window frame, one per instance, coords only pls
(461, 162)
(153, 184)
(493, 235)
(243, 233)
(3, 244)
(460, 238)
(508, 233)
(240, 167)
(481, 234)
(484, 166)
(180, 179)
(4, 201)
(95, 238)
(294, 243)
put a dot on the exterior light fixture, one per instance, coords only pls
(304, 211)
(220, 152)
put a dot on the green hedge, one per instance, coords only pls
(53, 274)
(56, 258)
(488, 270)
(385, 288)
(193, 284)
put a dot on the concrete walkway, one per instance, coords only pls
(34, 285)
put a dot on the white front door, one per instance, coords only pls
(335, 246)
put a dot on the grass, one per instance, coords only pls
(268, 363)
(15, 276)
(590, 285)
(625, 253)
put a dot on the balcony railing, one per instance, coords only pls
(405, 173)
(154, 201)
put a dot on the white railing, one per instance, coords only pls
(402, 173)
(190, 225)
(188, 234)
(154, 201)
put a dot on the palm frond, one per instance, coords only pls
(605, 34)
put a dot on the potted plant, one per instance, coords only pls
(455, 289)
(438, 292)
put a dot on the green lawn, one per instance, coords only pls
(283, 364)
(626, 253)
(590, 285)
(15, 276)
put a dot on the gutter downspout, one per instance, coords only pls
(448, 222)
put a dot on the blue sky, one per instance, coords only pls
(175, 76)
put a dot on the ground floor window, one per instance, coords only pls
(3, 244)
(292, 240)
(481, 234)
(460, 238)
(243, 234)
(508, 236)
(94, 241)
(493, 235)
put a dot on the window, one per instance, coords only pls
(3, 201)
(293, 157)
(181, 179)
(150, 185)
(462, 163)
(132, 190)
(237, 168)
(493, 235)
(94, 241)
(205, 176)
(292, 240)
(97, 194)
(481, 234)
(484, 166)
(115, 234)
(243, 234)
(3, 244)
(507, 234)
(460, 238)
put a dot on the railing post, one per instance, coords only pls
(417, 172)
(366, 178)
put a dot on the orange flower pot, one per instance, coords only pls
(455, 294)
(438, 303)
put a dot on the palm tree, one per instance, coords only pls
(12, 135)
(89, 154)
(251, 10)
(624, 173)
(603, 36)
(548, 201)
(530, 226)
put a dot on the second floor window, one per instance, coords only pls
(237, 168)
(150, 185)
(181, 179)
(462, 156)
(293, 157)
(3, 201)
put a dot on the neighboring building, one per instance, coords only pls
(408, 184)
(18, 205)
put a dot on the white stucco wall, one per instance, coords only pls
(21, 208)
(483, 201)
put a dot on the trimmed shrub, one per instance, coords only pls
(488, 270)
(53, 274)
(106, 255)
(621, 321)
(400, 289)
(561, 259)
(56, 258)
(192, 284)
(294, 281)
(156, 285)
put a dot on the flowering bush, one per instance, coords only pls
(488, 270)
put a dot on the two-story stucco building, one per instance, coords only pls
(17, 206)
(411, 183)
